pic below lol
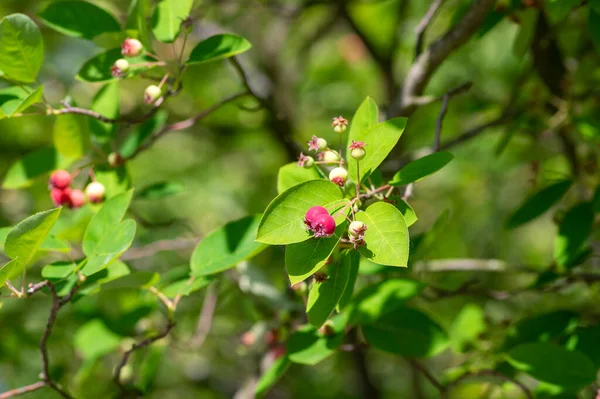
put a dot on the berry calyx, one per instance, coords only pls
(305, 161)
(340, 124)
(323, 226)
(131, 47)
(152, 94)
(61, 196)
(317, 144)
(357, 228)
(330, 156)
(119, 68)
(339, 176)
(95, 192)
(77, 198)
(60, 179)
(312, 214)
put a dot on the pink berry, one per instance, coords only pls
(323, 226)
(61, 196)
(60, 179)
(312, 213)
(77, 198)
(95, 192)
(131, 47)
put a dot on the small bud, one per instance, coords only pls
(338, 176)
(330, 156)
(357, 228)
(120, 68)
(323, 226)
(60, 179)
(95, 192)
(115, 159)
(131, 47)
(317, 144)
(61, 196)
(305, 161)
(339, 124)
(152, 94)
(358, 152)
(77, 198)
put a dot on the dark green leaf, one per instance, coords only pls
(573, 234)
(594, 26)
(137, 19)
(35, 164)
(539, 203)
(420, 168)
(585, 340)
(97, 68)
(557, 10)
(308, 346)
(133, 280)
(528, 19)
(106, 103)
(218, 47)
(21, 48)
(161, 190)
(78, 18)
(167, 18)
(353, 259)
(541, 328)
(291, 175)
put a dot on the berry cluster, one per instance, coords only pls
(319, 222)
(63, 195)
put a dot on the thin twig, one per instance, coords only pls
(424, 24)
(205, 318)
(438, 123)
(23, 390)
(430, 377)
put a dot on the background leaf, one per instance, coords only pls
(70, 136)
(420, 168)
(161, 190)
(167, 18)
(271, 376)
(573, 234)
(97, 68)
(218, 47)
(94, 340)
(106, 103)
(539, 203)
(291, 175)
(21, 48)
(35, 164)
(79, 19)
(307, 346)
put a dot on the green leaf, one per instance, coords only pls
(97, 68)
(593, 26)
(161, 190)
(324, 296)
(16, 99)
(303, 259)
(386, 237)
(410, 216)
(573, 234)
(185, 287)
(137, 19)
(94, 340)
(539, 203)
(133, 280)
(21, 48)
(112, 212)
(467, 326)
(407, 332)
(141, 133)
(115, 180)
(70, 136)
(374, 301)
(271, 376)
(559, 9)
(50, 244)
(35, 164)
(365, 117)
(528, 20)
(594, 5)
(291, 175)
(24, 240)
(352, 258)
(218, 47)
(553, 364)
(283, 220)
(227, 246)
(167, 18)
(585, 340)
(78, 18)
(117, 240)
(106, 103)
(307, 346)
(379, 141)
(58, 270)
(113, 271)
(541, 328)
(420, 168)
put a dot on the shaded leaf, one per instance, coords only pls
(137, 19)
(541, 328)
(271, 376)
(97, 68)
(106, 103)
(467, 326)
(307, 346)
(420, 168)
(539, 203)
(141, 133)
(218, 47)
(35, 164)
(352, 258)
(16, 99)
(573, 234)
(21, 48)
(94, 340)
(161, 190)
(78, 18)
(167, 18)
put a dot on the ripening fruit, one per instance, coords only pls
(322, 143)
(60, 179)
(77, 198)
(95, 192)
(358, 153)
(61, 196)
(312, 213)
(309, 162)
(119, 68)
(323, 225)
(131, 47)
(331, 156)
(338, 176)
(357, 228)
(152, 94)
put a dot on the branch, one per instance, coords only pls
(476, 131)
(438, 123)
(428, 61)
(23, 390)
(427, 374)
(424, 24)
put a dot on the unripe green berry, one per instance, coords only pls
(152, 94)
(322, 144)
(331, 156)
(122, 64)
(358, 153)
(357, 228)
(309, 162)
(338, 175)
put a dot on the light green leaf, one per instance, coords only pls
(324, 296)
(467, 326)
(70, 136)
(375, 300)
(133, 280)
(271, 376)
(352, 259)
(305, 258)
(218, 47)
(94, 340)
(137, 19)
(50, 244)
(307, 346)
(528, 20)
(539, 203)
(115, 180)
(283, 220)
(161, 190)
(167, 18)
(112, 212)
(114, 243)
(553, 364)
(291, 175)
(16, 99)
(106, 103)
(379, 141)
(21, 48)
(78, 18)
(410, 216)
(35, 164)
(573, 234)
(407, 332)
(186, 286)
(366, 116)
(386, 237)
(420, 168)
(58, 270)
(94, 283)
(97, 68)
(24, 240)
(227, 246)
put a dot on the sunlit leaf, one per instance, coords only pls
(218, 47)
(21, 48)
(78, 18)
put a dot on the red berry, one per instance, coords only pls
(61, 196)
(77, 198)
(323, 226)
(131, 47)
(60, 179)
(312, 213)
